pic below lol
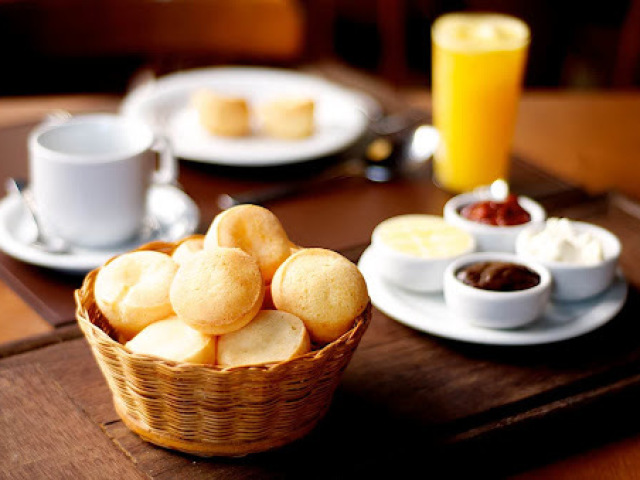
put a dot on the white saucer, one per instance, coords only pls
(429, 313)
(340, 116)
(175, 213)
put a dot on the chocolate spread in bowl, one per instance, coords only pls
(498, 276)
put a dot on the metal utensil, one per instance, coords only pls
(385, 157)
(44, 240)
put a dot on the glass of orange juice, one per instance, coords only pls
(478, 64)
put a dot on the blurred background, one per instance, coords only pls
(60, 46)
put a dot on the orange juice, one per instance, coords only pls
(477, 69)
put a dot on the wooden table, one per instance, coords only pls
(408, 402)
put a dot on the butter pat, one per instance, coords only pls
(559, 241)
(413, 251)
(423, 236)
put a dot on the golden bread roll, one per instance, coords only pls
(255, 230)
(172, 339)
(187, 248)
(288, 118)
(217, 290)
(132, 291)
(222, 115)
(323, 288)
(272, 336)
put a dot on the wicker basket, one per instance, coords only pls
(209, 410)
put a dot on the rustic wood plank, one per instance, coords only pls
(45, 435)
(420, 390)
(72, 365)
(160, 463)
(410, 386)
(18, 320)
(614, 461)
(60, 334)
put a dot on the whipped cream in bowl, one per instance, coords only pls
(582, 257)
(560, 241)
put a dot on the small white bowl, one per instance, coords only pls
(490, 238)
(410, 271)
(496, 309)
(578, 282)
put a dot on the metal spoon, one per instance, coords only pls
(385, 158)
(43, 241)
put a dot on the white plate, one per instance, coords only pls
(429, 313)
(175, 213)
(165, 104)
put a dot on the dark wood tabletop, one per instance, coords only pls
(408, 402)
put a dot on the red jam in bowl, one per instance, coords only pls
(498, 276)
(490, 212)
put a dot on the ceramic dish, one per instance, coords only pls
(491, 238)
(576, 282)
(341, 115)
(175, 215)
(428, 313)
(496, 309)
(416, 266)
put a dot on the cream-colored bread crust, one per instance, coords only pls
(255, 230)
(172, 339)
(187, 248)
(323, 288)
(272, 336)
(217, 290)
(132, 291)
(222, 115)
(288, 118)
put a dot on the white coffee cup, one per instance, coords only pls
(90, 174)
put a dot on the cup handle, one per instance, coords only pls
(167, 172)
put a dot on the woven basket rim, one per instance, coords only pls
(84, 297)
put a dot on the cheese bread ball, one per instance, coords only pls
(288, 118)
(272, 336)
(217, 290)
(172, 339)
(132, 291)
(322, 288)
(226, 116)
(187, 248)
(255, 230)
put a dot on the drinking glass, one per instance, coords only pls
(478, 64)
